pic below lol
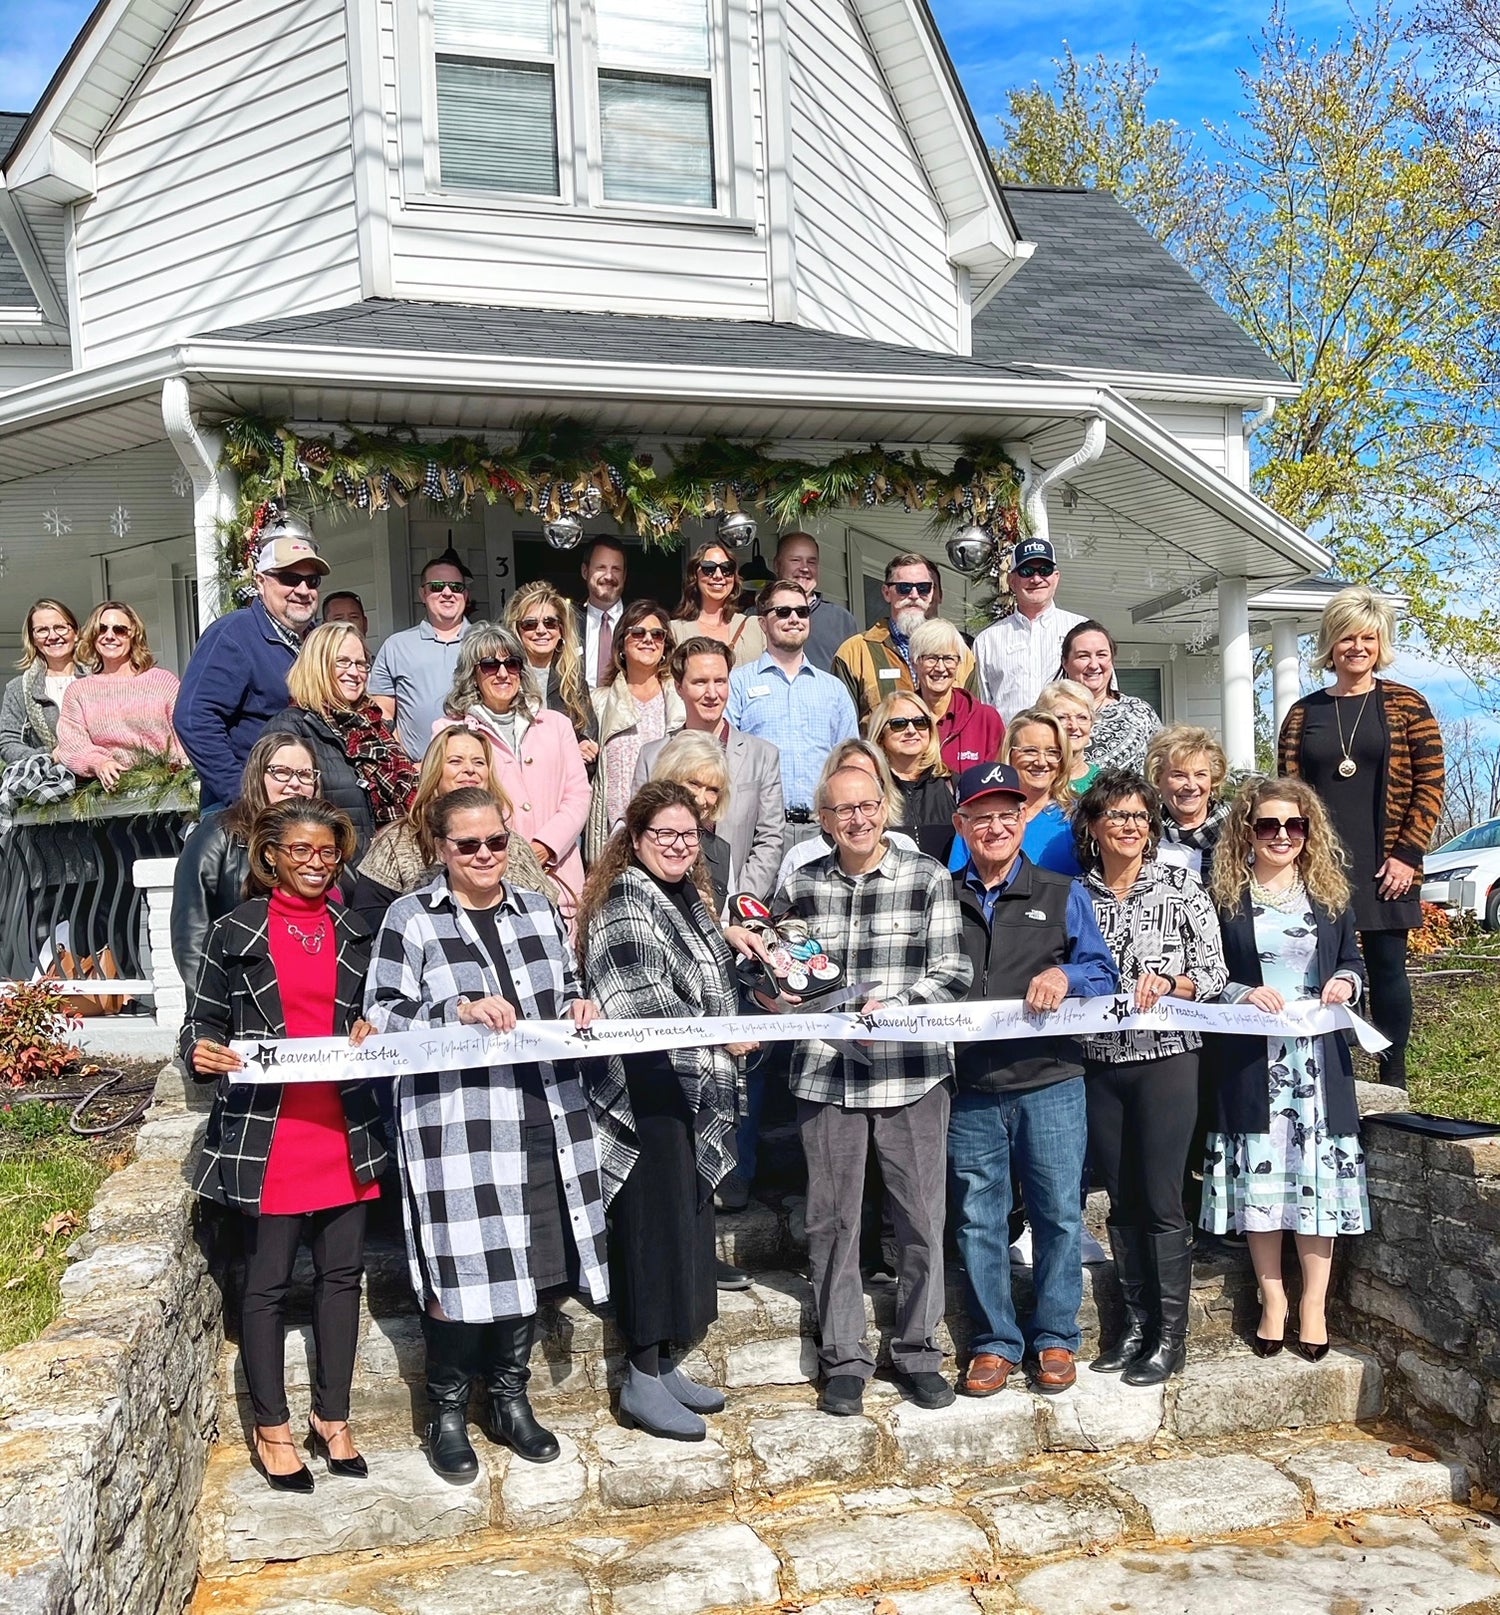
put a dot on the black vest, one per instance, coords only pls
(1028, 934)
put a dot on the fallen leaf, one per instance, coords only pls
(1488, 1502)
(1417, 1456)
(63, 1222)
(1398, 1452)
(16, 1282)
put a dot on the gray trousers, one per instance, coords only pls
(911, 1144)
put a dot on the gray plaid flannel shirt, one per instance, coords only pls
(899, 927)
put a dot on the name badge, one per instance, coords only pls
(758, 689)
(888, 672)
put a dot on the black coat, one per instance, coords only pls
(927, 806)
(1238, 1065)
(237, 996)
(340, 783)
(209, 883)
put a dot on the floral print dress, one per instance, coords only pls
(1298, 1176)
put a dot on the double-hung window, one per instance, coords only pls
(524, 88)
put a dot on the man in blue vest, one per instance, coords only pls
(1029, 934)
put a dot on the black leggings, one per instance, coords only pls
(1141, 1115)
(337, 1240)
(1389, 998)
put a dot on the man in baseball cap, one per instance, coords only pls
(1029, 934)
(1021, 653)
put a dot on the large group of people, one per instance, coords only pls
(551, 817)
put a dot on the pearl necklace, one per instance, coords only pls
(1286, 901)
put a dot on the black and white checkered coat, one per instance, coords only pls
(645, 962)
(459, 1133)
(237, 996)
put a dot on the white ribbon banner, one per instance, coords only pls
(462, 1048)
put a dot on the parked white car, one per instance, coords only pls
(1465, 873)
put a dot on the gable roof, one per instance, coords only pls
(15, 289)
(1100, 294)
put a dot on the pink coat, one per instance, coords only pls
(548, 789)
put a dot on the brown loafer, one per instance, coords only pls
(1055, 1370)
(986, 1374)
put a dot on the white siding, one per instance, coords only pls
(225, 187)
(871, 241)
(22, 363)
(1204, 430)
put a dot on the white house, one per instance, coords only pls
(772, 220)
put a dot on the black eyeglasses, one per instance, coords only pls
(1267, 829)
(781, 613)
(298, 580)
(446, 586)
(468, 846)
(897, 725)
(491, 665)
(921, 590)
(529, 625)
(665, 838)
(717, 569)
(1036, 569)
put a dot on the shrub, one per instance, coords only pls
(34, 1017)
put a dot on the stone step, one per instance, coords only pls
(1312, 1526)
(771, 1443)
(764, 1335)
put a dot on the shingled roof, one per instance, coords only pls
(1101, 293)
(15, 289)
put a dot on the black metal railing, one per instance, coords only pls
(69, 883)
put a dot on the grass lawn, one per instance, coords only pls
(1453, 1060)
(48, 1180)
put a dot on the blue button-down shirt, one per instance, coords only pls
(1090, 966)
(804, 718)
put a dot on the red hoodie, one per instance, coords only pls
(970, 732)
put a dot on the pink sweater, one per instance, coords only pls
(112, 719)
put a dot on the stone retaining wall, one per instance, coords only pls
(106, 1418)
(1422, 1291)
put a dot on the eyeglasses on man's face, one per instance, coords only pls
(997, 819)
(849, 812)
(1036, 569)
(660, 836)
(298, 580)
(468, 846)
(494, 666)
(785, 613)
(303, 852)
(446, 586)
(284, 775)
(921, 590)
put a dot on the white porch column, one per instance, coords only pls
(214, 489)
(1238, 672)
(1286, 668)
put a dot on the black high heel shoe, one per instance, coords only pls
(1310, 1351)
(1264, 1347)
(355, 1467)
(300, 1479)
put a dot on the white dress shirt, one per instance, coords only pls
(592, 617)
(1018, 657)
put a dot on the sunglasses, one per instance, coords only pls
(1036, 569)
(655, 636)
(446, 586)
(897, 725)
(529, 625)
(468, 846)
(108, 630)
(717, 569)
(491, 666)
(1268, 829)
(298, 580)
(921, 590)
(782, 613)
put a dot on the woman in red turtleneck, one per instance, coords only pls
(295, 1158)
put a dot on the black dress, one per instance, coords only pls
(662, 1253)
(553, 1255)
(1356, 804)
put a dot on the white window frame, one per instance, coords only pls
(576, 96)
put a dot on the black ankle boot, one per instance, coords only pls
(1129, 1247)
(454, 1352)
(1172, 1258)
(509, 1420)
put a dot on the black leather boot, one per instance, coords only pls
(1129, 1247)
(1172, 1258)
(509, 1420)
(454, 1355)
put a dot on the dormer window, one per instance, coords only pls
(591, 102)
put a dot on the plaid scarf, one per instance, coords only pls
(387, 774)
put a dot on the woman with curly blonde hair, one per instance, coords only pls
(543, 620)
(1037, 746)
(1285, 1155)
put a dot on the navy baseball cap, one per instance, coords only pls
(988, 779)
(1033, 549)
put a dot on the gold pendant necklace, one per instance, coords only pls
(1348, 768)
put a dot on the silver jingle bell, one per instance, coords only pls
(737, 529)
(283, 523)
(563, 533)
(590, 502)
(971, 551)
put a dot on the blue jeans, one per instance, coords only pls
(1043, 1133)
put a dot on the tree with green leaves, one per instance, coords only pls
(1347, 219)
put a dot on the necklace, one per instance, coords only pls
(1349, 767)
(311, 941)
(1285, 901)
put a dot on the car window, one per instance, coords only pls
(1480, 838)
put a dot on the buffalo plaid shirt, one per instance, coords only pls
(899, 927)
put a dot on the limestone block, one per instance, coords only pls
(537, 1495)
(971, 1433)
(174, 1136)
(402, 1501)
(954, 1599)
(518, 1586)
(804, 1446)
(791, 1360)
(787, 1300)
(717, 1567)
(1444, 1390)
(878, 1549)
(114, 1268)
(391, 1348)
(753, 1238)
(1242, 1395)
(641, 1471)
(1193, 1497)
(1027, 1530)
(1346, 1477)
(1100, 1412)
